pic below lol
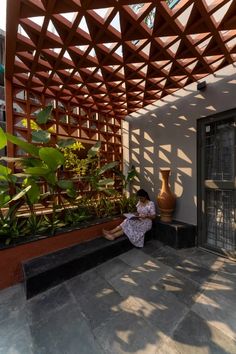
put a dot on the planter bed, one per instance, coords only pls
(12, 256)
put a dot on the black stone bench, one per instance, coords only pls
(175, 234)
(44, 272)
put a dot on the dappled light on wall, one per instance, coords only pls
(182, 155)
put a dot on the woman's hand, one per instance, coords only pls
(142, 216)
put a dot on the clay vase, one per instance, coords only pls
(166, 200)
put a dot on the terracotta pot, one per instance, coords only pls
(166, 200)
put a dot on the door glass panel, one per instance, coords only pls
(219, 148)
(220, 219)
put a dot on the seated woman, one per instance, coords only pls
(136, 228)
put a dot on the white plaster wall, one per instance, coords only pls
(164, 135)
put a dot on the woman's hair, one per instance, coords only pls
(142, 193)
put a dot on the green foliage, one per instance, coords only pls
(52, 157)
(45, 164)
(33, 194)
(40, 133)
(76, 216)
(128, 178)
(62, 143)
(27, 147)
(3, 139)
(35, 225)
(104, 207)
(44, 115)
(72, 161)
(41, 136)
(127, 204)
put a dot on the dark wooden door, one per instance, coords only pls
(217, 182)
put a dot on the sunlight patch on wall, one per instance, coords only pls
(211, 108)
(135, 139)
(178, 189)
(136, 131)
(192, 129)
(149, 149)
(148, 137)
(186, 170)
(166, 147)
(200, 96)
(135, 156)
(148, 173)
(183, 156)
(163, 157)
(147, 157)
(182, 118)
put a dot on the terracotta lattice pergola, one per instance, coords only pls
(107, 56)
(113, 56)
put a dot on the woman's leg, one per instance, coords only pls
(117, 234)
(113, 231)
(112, 236)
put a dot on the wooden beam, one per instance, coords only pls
(13, 15)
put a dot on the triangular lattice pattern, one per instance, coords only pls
(117, 56)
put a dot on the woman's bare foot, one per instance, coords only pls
(107, 235)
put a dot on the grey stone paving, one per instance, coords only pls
(151, 301)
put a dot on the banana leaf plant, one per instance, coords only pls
(41, 164)
(95, 175)
(128, 177)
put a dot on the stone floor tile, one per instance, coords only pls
(217, 313)
(160, 308)
(132, 283)
(162, 311)
(196, 336)
(183, 288)
(145, 265)
(41, 338)
(85, 283)
(220, 281)
(153, 270)
(12, 300)
(112, 268)
(18, 343)
(152, 246)
(194, 272)
(66, 331)
(167, 256)
(202, 258)
(136, 257)
(42, 305)
(100, 306)
(155, 300)
(13, 330)
(127, 333)
(229, 267)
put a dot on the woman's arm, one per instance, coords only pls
(151, 214)
(151, 217)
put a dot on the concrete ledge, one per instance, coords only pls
(44, 272)
(175, 234)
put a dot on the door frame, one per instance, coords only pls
(201, 227)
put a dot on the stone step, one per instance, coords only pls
(44, 272)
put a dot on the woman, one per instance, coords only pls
(136, 228)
